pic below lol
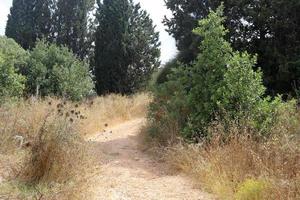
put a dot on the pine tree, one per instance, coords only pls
(71, 25)
(28, 21)
(127, 47)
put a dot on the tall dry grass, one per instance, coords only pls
(50, 152)
(236, 163)
(55, 161)
(111, 110)
(242, 167)
(25, 118)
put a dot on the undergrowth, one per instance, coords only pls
(234, 165)
(212, 119)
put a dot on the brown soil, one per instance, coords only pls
(130, 174)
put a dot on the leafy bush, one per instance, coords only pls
(168, 112)
(12, 61)
(221, 84)
(13, 53)
(11, 83)
(54, 70)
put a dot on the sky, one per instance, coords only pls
(156, 9)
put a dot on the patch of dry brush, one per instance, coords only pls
(43, 140)
(241, 167)
(111, 110)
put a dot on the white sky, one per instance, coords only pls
(156, 8)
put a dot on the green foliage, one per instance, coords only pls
(127, 47)
(11, 83)
(251, 190)
(221, 84)
(56, 71)
(13, 52)
(166, 70)
(71, 25)
(64, 22)
(28, 21)
(169, 110)
(270, 29)
(74, 81)
(12, 61)
(186, 14)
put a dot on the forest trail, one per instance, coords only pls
(129, 174)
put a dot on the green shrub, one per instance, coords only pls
(12, 62)
(11, 83)
(223, 83)
(163, 74)
(168, 111)
(14, 53)
(54, 70)
(220, 85)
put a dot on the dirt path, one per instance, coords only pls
(129, 174)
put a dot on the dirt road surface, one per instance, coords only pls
(129, 174)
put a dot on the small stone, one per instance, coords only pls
(136, 159)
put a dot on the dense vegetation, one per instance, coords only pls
(55, 71)
(46, 70)
(217, 108)
(220, 127)
(118, 39)
(127, 47)
(63, 22)
(268, 28)
(221, 84)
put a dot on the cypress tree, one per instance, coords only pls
(43, 19)
(28, 21)
(127, 47)
(20, 23)
(71, 25)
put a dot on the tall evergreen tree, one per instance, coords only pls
(71, 24)
(43, 19)
(186, 14)
(127, 47)
(270, 28)
(28, 21)
(20, 23)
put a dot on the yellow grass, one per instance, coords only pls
(242, 168)
(55, 162)
(25, 118)
(111, 110)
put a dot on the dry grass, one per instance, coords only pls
(55, 162)
(242, 168)
(57, 153)
(52, 155)
(111, 110)
(25, 118)
(233, 164)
